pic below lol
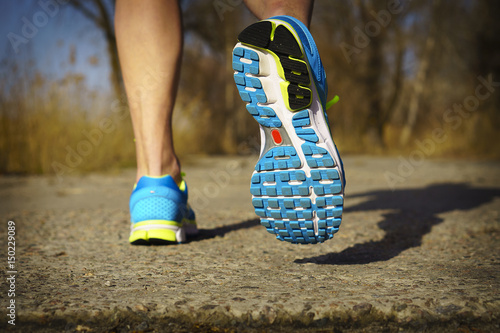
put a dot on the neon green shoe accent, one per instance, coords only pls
(187, 221)
(157, 222)
(333, 101)
(182, 185)
(158, 176)
(284, 92)
(138, 235)
(273, 30)
(146, 235)
(163, 234)
(281, 71)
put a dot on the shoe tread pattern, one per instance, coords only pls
(282, 193)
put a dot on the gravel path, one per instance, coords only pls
(422, 256)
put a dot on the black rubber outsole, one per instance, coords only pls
(288, 50)
(153, 241)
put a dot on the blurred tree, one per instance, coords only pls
(486, 58)
(218, 35)
(365, 46)
(393, 76)
(101, 13)
(421, 74)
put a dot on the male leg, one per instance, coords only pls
(149, 39)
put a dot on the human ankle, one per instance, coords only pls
(171, 168)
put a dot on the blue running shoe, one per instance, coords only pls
(160, 213)
(298, 183)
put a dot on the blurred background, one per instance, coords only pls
(413, 76)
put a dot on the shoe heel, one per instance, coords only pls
(156, 233)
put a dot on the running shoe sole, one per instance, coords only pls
(161, 232)
(156, 232)
(297, 186)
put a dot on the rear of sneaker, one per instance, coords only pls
(298, 184)
(160, 214)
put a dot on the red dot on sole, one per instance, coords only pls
(276, 136)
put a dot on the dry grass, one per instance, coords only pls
(61, 127)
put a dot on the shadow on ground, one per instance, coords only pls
(415, 213)
(221, 231)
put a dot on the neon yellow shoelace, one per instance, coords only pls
(334, 100)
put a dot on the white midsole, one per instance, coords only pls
(154, 226)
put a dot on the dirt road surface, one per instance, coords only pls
(418, 252)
